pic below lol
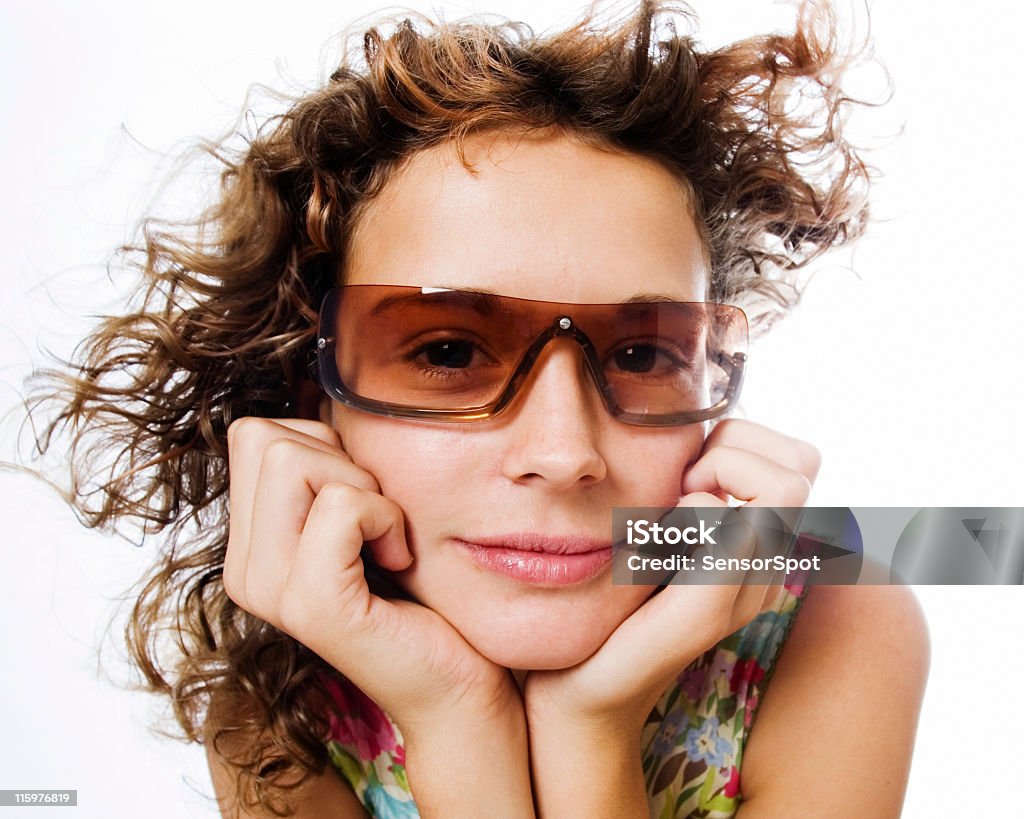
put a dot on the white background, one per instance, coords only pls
(904, 373)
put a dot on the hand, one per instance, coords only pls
(604, 701)
(616, 687)
(301, 513)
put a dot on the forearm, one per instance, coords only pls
(586, 770)
(467, 768)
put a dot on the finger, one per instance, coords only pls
(250, 435)
(739, 543)
(748, 476)
(793, 453)
(291, 476)
(697, 499)
(752, 598)
(319, 437)
(312, 429)
(375, 522)
(673, 628)
(254, 428)
(650, 640)
(712, 603)
(704, 500)
(248, 440)
(750, 602)
(325, 591)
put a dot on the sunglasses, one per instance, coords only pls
(460, 355)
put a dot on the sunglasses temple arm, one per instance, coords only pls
(734, 364)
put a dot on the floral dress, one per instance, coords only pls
(692, 744)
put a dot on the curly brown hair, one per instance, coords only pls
(225, 311)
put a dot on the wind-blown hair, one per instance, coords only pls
(225, 311)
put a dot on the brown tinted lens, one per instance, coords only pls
(440, 350)
(457, 350)
(663, 358)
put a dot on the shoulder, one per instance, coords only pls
(857, 627)
(847, 688)
(856, 637)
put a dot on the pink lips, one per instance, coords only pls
(540, 560)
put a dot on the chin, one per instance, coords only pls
(536, 649)
(534, 658)
(525, 628)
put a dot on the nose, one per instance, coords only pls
(555, 422)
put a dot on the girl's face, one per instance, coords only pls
(550, 218)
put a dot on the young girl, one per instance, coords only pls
(448, 312)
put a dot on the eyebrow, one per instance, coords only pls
(651, 298)
(486, 301)
(482, 301)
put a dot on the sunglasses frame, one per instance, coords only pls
(325, 367)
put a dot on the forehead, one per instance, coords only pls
(539, 216)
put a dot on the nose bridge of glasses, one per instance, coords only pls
(567, 338)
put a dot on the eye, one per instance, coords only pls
(636, 358)
(655, 358)
(453, 354)
(450, 354)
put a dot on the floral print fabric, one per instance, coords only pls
(366, 748)
(692, 743)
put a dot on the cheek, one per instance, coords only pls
(653, 462)
(407, 459)
(411, 461)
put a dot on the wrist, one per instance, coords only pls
(465, 766)
(615, 718)
(475, 709)
(599, 756)
(618, 732)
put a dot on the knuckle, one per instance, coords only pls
(243, 431)
(798, 488)
(233, 431)
(809, 458)
(234, 588)
(700, 499)
(280, 453)
(364, 480)
(725, 425)
(339, 496)
(326, 432)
